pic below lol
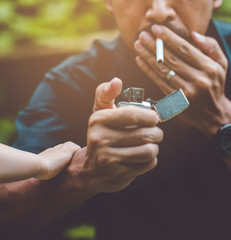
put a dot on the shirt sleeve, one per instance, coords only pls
(59, 109)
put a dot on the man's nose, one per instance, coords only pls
(160, 11)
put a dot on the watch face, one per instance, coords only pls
(226, 140)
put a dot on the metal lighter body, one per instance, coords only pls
(167, 108)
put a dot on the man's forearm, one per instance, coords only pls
(29, 206)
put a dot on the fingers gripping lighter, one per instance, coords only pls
(167, 108)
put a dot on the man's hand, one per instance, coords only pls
(200, 69)
(121, 143)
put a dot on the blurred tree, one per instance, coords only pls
(24, 21)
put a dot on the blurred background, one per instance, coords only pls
(35, 35)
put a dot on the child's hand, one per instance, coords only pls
(55, 159)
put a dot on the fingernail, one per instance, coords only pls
(107, 86)
(157, 30)
(139, 60)
(115, 78)
(145, 37)
(138, 45)
(198, 37)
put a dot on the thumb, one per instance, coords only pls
(210, 47)
(106, 93)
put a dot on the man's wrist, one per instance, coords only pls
(77, 177)
(223, 141)
(221, 118)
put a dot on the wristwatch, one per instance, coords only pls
(223, 140)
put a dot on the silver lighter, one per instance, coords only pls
(167, 108)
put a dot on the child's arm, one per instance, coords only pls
(18, 165)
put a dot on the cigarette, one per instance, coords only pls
(159, 50)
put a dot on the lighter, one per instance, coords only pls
(167, 108)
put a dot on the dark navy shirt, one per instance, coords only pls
(187, 196)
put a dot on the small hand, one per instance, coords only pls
(55, 159)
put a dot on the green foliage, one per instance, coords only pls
(80, 232)
(7, 130)
(24, 21)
